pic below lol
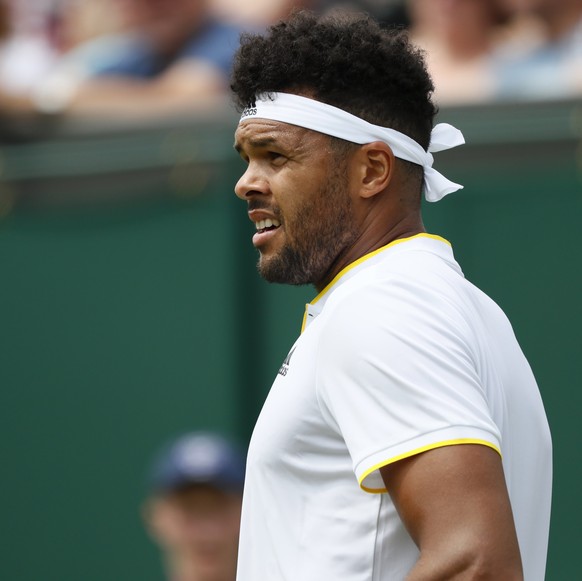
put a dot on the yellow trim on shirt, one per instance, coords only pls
(420, 451)
(370, 254)
(364, 258)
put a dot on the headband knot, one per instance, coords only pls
(324, 118)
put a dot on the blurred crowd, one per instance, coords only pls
(154, 57)
(491, 50)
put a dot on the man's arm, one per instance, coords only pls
(454, 503)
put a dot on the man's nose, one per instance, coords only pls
(251, 183)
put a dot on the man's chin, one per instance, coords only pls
(272, 270)
(282, 275)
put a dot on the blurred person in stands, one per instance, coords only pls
(388, 13)
(258, 13)
(84, 20)
(193, 512)
(550, 65)
(34, 37)
(169, 55)
(261, 13)
(460, 38)
(29, 48)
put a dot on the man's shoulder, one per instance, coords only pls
(410, 274)
(405, 293)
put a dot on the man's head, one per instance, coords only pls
(342, 59)
(193, 512)
(315, 198)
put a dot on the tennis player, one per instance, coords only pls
(404, 436)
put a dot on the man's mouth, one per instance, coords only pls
(267, 225)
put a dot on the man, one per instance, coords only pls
(193, 512)
(404, 436)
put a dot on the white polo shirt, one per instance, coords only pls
(398, 355)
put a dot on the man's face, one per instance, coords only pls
(298, 199)
(198, 527)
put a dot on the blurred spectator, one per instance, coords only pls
(170, 54)
(34, 36)
(460, 38)
(28, 45)
(387, 12)
(193, 512)
(84, 20)
(265, 12)
(550, 68)
(258, 13)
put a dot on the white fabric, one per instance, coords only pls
(24, 62)
(400, 354)
(318, 116)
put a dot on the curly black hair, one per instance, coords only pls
(345, 60)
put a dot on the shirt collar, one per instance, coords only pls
(315, 307)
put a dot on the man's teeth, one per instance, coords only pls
(268, 223)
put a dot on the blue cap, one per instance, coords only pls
(199, 458)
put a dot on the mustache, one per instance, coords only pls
(257, 204)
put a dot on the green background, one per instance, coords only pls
(130, 311)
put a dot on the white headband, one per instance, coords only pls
(330, 120)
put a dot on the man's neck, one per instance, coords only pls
(408, 227)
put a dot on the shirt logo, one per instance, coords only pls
(285, 366)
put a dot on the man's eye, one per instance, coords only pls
(276, 157)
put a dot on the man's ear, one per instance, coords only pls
(375, 168)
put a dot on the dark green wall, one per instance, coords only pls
(118, 330)
(130, 310)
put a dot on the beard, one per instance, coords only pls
(322, 230)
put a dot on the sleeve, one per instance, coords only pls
(396, 376)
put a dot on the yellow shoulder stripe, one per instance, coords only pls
(374, 253)
(419, 451)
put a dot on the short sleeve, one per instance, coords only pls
(396, 375)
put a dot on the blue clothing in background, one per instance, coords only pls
(551, 70)
(133, 56)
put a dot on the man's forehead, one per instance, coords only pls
(263, 132)
(263, 129)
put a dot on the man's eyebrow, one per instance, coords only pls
(256, 142)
